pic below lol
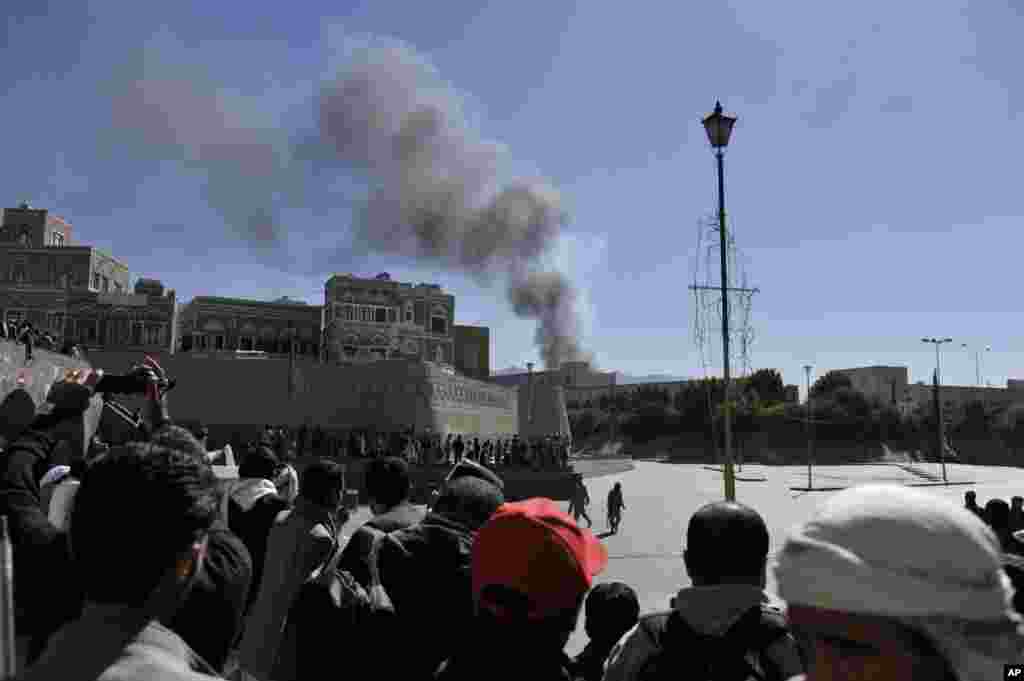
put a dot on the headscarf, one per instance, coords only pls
(914, 557)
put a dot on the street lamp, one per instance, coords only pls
(810, 436)
(529, 409)
(718, 126)
(940, 440)
(977, 360)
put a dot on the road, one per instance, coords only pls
(661, 497)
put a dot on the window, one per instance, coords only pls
(408, 314)
(350, 351)
(96, 281)
(365, 313)
(154, 334)
(350, 313)
(23, 240)
(246, 343)
(438, 325)
(57, 239)
(106, 284)
(62, 281)
(392, 315)
(18, 272)
(380, 315)
(218, 342)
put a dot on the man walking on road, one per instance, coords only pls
(615, 507)
(580, 501)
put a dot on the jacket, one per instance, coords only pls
(298, 543)
(426, 571)
(253, 506)
(42, 555)
(503, 663)
(210, 619)
(709, 610)
(355, 559)
(106, 643)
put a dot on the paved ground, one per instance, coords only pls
(660, 497)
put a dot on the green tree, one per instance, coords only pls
(767, 385)
(829, 383)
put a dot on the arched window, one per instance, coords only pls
(438, 320)
(24, 239)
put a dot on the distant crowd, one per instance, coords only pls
(549, 453)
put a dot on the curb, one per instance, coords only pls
(736, 477)
(909, 484)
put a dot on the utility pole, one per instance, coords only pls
(940, 440)
(810, 431)
(615, 412)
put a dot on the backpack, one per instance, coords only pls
(332, 609)
(739, 655)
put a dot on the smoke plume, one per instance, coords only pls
(437, 193)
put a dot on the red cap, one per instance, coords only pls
(538, 550)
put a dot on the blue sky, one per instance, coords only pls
(872, 180)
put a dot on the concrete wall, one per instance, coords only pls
(473, 351)
(546, 405)
(389, 394)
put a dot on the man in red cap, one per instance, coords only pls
(532, 566)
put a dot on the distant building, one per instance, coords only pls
(76, 292)
(473, 351)
(891, 386)
(214, 324)
(371, 319)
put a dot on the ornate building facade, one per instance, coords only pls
(219, 325)
(77, 292)
(372, 319)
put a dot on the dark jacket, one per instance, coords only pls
(210, 620)
(589, 664)
(499, 663)
(355, 558)
(42, 555)
(251, 519)
(426, 571)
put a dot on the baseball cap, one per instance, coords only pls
(538, 550)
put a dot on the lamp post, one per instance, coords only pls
(529, 407)
(810, 435)
(940, 440)
(977, 360)
(718, 126)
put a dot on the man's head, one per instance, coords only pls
(152, 501)
(467, 468)
(890, 582)
(323, 484)
(726, 543)
(998, 513)
(260, 463)
(470, 501)
(532, 566)
(612, 609)
(971, 498)
(387, 482)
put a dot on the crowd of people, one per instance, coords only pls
(549, 453)
(161, 571)
(25, 333)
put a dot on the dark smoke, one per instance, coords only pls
(438, 194)
(437, 191)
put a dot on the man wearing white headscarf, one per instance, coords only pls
(892, 583)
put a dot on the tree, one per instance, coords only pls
(767, 384)
(830, 383)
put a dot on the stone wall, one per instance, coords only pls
(389, 394)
